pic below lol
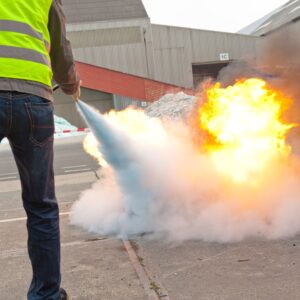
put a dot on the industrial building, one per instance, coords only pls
(123, 59)
(286, 17)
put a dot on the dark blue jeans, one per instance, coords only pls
(28, 123)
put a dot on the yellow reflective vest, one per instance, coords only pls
(25, 40)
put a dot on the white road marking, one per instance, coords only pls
(7, 174)
(21, 208)
(75, 167)
(7, 178)
(11, 209)
(25, 218)
(19, 252)
(79, 170)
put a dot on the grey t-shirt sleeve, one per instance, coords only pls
(62, 61)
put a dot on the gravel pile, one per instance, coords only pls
(173, 106)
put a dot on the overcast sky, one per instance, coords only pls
(220, 15)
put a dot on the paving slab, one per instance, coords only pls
(11, 203)
(195, 270)
(93, 267)
(98, 267)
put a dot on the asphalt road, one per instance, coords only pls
(69, 158)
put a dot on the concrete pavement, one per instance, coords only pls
(249, 270)
(101, 268)
(93, 267)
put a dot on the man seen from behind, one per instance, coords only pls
(34, 50)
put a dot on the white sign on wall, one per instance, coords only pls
(224, 56)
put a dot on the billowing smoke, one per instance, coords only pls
(160, 183)
(277, 60)
(279, 55)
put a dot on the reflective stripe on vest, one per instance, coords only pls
(23, 54)
(14, 26)
(25, 40)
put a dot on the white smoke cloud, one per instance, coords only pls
(160, 183)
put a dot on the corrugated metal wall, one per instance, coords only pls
(157, 52)
(176, 49)
(118, 45)
(121, 102)
(78, 11)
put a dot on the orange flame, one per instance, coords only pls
(244, 122)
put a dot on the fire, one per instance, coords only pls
(246, 132)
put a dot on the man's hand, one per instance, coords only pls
(76, 95)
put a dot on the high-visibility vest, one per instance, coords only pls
(25, 40)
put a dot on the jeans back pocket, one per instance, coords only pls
(42, 120)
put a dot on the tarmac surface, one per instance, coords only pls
(69, 158)
(98, 267)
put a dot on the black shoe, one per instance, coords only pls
(63, 294)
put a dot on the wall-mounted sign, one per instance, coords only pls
(224, 56)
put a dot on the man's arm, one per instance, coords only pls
(62, 62)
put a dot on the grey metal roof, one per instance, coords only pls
(79, 11)
(250, 29)
(289, 12)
